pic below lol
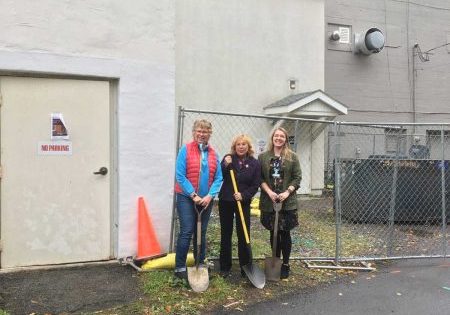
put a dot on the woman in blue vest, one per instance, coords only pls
(198, 180)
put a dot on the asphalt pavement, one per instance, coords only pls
(419, 286)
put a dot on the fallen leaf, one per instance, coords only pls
(231, 304)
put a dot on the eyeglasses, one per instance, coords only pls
(203, 132)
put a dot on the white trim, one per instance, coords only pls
(318, 95)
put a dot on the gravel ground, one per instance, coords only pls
(75, 290)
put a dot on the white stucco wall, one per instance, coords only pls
(238, 56)
(132, 42)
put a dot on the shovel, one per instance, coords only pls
(254, 274)
(273, 264)
(198, 277)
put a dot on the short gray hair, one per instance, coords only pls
(202, 124)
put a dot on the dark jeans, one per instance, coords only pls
(284, 244)
(227, 211)
(187, 216)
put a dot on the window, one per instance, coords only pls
(435, 136)
(435, 145)
(395, 141)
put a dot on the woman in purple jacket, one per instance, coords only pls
(247, 171)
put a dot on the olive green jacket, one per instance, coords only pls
(292, 177)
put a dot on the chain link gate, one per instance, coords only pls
(368, 192)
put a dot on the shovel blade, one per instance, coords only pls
(198, 278)
(255, 275)
(273, 268)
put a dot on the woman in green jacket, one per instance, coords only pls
(281, 176)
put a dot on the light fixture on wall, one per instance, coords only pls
(336, 35)
(292, 84)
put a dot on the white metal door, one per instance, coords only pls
(54, 209)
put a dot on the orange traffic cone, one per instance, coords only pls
(148, 244)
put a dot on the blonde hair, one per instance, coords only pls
(202, 124)
(286, 152)
(245, 139)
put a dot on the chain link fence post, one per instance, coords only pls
(444, 219)
(393, 196)
(294, 146)
(337, 196)
(174, 199)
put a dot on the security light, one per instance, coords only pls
(335, 35)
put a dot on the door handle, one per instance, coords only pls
(102, 171)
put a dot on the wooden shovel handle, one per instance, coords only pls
(199, 224)
(241, 213)
(199, 234)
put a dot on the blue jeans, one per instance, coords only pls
(187, 216)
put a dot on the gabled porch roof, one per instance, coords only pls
(314, 105)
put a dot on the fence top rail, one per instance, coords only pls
(389, 124)
(189, 110)
(330, 122)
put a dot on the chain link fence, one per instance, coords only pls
(368, 191)
(393, 189)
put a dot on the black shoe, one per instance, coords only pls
(181, 275)
(284, 274)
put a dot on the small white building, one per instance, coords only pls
(315, 106)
